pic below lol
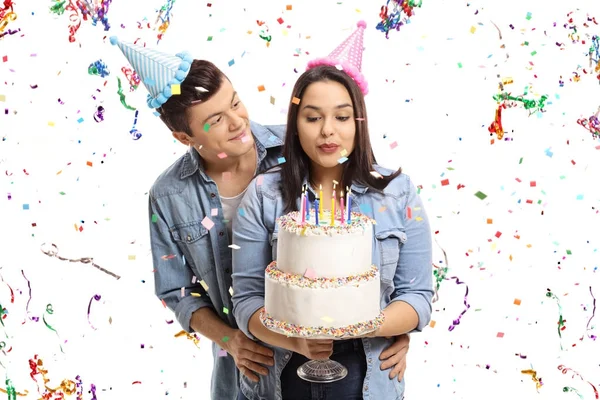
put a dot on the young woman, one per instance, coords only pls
(329, 122)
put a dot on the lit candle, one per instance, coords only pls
(320, 203)
(333, 198)
(302, 205)
(342, 207)
(349, 205)
(317, 204)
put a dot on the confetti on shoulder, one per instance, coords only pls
(234, 246)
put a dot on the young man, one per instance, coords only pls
(192, 204)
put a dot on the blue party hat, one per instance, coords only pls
(157, 70)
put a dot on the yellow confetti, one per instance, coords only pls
(2, 97)
(131, 257)
(419, 219)
(327, 319)
(343, 153)
(175, 89)
(195, 294)
(204, 285)
(473, 29)
(230, 291)
(50, 123)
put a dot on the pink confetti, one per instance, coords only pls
(214, 212)
(310, 273)
(393, 145)
(259, 180)
(207, 223)
(222, 155)
(222, 353)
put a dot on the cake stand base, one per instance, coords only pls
(322, 371)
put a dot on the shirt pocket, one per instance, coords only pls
(194, 242)
(389, 242)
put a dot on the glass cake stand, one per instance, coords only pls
(322, 371)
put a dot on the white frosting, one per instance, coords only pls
(329, 307)
(330, 255)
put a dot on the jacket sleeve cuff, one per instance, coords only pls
(420, 305)
(186, 306)
(244, 310)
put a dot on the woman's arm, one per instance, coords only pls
(266, 336)
(410, 307)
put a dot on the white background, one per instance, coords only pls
(437, 113)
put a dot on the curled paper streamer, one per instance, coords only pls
(439, 273)
(587, 328)
(538, 381)
(53, 252)
(74, 19)
(96, 297)
(99, 114)
(135, 134)
(10, 390)
(100, 14)
(564, 370)
(561, 321)
(456, 322)
(12, 292)
(132, 77)
(50, 311)
(164, 16)
(189, 336)
(3, 313)
(393, 19)
(496, 126)
(11, 16)
(34, 319)
(10, 32)
(98, 68)
(122, 96)
(58, 8)
(567, 389)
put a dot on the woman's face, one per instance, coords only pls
(326, 126)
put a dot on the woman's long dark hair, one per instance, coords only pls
(360, 163)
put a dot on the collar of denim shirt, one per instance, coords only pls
(263, 137)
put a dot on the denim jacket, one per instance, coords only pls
(189, 257)
(402, 250)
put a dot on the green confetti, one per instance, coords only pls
(528, 16)
(533, 53)
(481, 195)
(460, 65)
(154, 217)
(226, 310)
(206, 127)
(521, 160)
(225, 339)
(209, 39)
(569, 252)
(62, 193)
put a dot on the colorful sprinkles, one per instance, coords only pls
(319, 283)
(291, 222)
(291, 330)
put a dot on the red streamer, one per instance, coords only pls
(564, 370)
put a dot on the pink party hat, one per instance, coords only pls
(348, 57)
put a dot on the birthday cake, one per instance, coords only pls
(323, 283)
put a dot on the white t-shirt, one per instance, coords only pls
(230, 206)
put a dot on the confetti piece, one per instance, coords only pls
(343, 153)
(241, 212)
(214, 212)
(204, 285)
(393, 145)
(281, 160)
(195, 294)
(342, 160)
(49, 311)
(231, 62)
(376, 174)
(206, 127)
(234, 246)
(500, 335)
(517, 302)
(175, 89)
(222, 353)
(191, 337)
(538, 381)
(261, 88)
(230, 291)
(432, 324)
(327, 319)
(408, 213)
(208, 223)
(310, 273)
(480, 195)
(225, 339)
(222, 155)
(295, 100)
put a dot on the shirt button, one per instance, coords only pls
(221, 233)
(189, 238)
(212, 195)
(286, 356)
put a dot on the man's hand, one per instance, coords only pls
(249, 356)
(395, 356)
(314, 349)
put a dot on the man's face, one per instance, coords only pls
(220, 126)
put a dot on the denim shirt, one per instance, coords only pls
(402, 251)
(192, 261)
